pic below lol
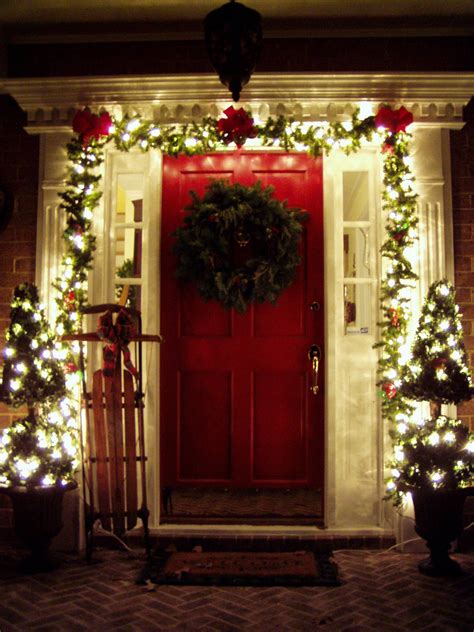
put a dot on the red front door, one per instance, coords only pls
(236, 407)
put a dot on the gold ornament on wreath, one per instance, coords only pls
(239, 244)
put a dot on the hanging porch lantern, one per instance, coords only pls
(233, 36)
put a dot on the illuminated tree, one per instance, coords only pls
(39, 449)
(438, 371)
(435, 453)
(32, 374)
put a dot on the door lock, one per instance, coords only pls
(314, 355)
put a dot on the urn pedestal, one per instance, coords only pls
(439, 521)
(37, 517)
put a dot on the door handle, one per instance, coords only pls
(314, 355)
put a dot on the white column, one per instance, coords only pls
(51, 219)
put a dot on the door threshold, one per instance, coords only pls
(316, 521)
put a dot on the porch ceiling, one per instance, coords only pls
(52, 19)
(42, 11)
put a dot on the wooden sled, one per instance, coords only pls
(114, 455)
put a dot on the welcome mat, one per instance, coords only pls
(295, 568)
(189, 505)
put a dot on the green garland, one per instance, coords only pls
(229, 218)
(399, 202)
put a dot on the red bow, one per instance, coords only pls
(117, 338)
(237, 127)
(89, 125)
(393, 120)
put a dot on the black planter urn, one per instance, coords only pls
(439, 521)
(37, 514)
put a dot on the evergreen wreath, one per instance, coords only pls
(239, 244)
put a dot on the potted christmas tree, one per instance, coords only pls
(38, 452)
(434, 458)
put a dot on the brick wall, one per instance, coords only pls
(19, 153)
(347, 54)
(462, 157)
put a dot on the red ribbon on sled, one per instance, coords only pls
(117, 338)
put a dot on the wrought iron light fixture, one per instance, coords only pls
(233, 36)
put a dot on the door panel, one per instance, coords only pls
(205, 425)
(235, 403)
(279, 429)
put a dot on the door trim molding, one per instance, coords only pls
(50, 103)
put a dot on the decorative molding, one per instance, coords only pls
(434, 98)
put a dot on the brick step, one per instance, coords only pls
(246, 542)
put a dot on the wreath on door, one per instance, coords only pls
(239, 244)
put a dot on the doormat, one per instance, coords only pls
(295, 568)
(204, 505)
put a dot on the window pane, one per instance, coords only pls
(357, 307)
(128, 252)
(357, 252)
(355, 191)
(128, 198)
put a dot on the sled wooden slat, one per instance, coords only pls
(131, 450)
(100, 438)
(115, 447)
(113, 407)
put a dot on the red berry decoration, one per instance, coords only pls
(70, 300)
(389, 389)
(439, 363)
(400, 235)
(394, 317)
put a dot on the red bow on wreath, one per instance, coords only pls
(237, 127)
(89, 125)
(117, 338)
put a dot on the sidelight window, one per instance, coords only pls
(358, 252)
(127, 243)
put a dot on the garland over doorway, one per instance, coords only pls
(94, 132)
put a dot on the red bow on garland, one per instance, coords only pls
(89, 125)
(237, 127)
(117, 338)
(393, 120)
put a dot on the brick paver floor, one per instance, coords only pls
(381, 591)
